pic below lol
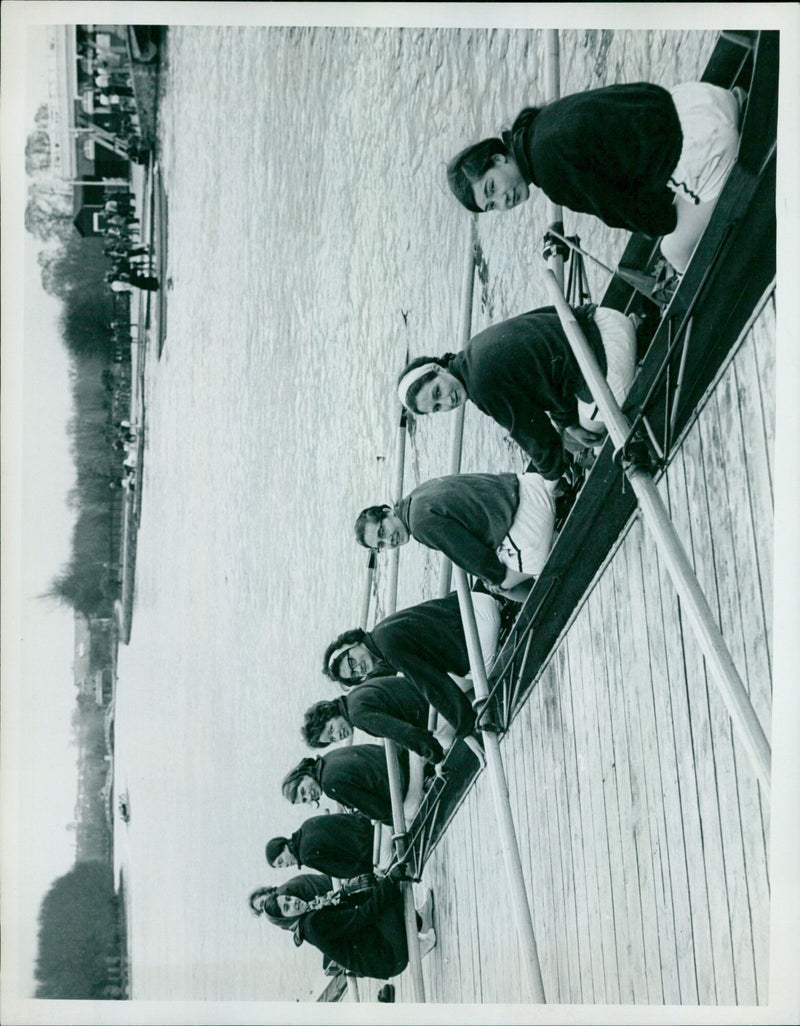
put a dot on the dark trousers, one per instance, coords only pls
(144, 281)
(392, 929)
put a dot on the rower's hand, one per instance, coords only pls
(571, 477)
(584, 436)
(476, 748)
(511, 580)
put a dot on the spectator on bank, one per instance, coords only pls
(124, 280)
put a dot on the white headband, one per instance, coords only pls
(414, 375)
(334, 656)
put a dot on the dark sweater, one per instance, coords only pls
(425, 643)
(523, 369)
(367, 939)
(607, 152)
(392, 707)
(357, 777)
(465, 516)
(339, 845)
(307, 886)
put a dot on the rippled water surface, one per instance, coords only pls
(312, 242)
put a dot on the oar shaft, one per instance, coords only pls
(552, 67)
(457, 424)
(502, 803)
(457, 418)
(392, 763)
(671, 550)
(397, 494)
(399, 824)
(365, 603)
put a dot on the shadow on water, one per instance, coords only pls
(482, 269)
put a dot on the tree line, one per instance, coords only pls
(81, 937)
(73, 269)
(75, 275)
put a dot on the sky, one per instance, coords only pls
(40, 775)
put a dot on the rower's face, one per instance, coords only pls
(501, 187)
(441, 394)
(308, 792)
(290, 906)
(389, 533)
(285, 860)
(336, 729)
(356, 663)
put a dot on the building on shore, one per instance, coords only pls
(94, 660)
(90, 144)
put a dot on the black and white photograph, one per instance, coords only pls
(312, 695)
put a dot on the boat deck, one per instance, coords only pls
(643, 830)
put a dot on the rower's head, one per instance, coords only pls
(325, 724)
(260, 898)
(426, 386)
(486, 177)
(378, 528)
(300, 786)
(277, 905)
(347, 659)
(279, 853)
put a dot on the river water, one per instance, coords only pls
(312, 242)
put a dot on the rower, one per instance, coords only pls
(497, 527)
(523, 373)
(426, 644)
(637, 156)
